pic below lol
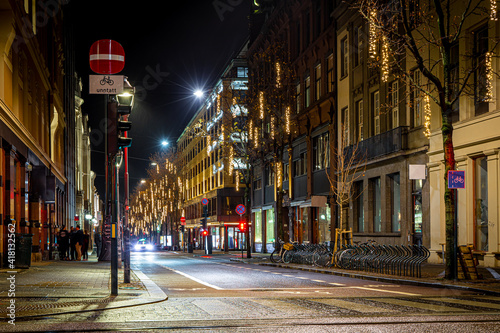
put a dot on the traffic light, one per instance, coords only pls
(117, 126)
(204, 223)
(123, 125)
(243, 226)
(204, 233)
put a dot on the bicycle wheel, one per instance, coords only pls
(287, 256)
(275, 257)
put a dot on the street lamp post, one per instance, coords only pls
(126, 98)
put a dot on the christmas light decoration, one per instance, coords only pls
(493, 13)
(272, 128)
(372, 38)
(231, 160)
(427, 117)
(237, 180)
(287, 120)
(385, 59)
(261, 104)
(278, 75)
(489, 78)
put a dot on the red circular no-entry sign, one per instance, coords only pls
(106, 56)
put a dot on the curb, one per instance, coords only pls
(156, 296)
(385, 279)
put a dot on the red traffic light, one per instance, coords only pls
(243, 226)
(205, 233)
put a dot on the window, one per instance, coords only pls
(417, 210)
(455, 84)
(376, 112)
(376, 204)
(358, 203)
(416, 106)
(329, 73)
(344, 57)
(286, 172)
(270, 225)
(258, 227)
(269, 176)
(479, 63)
(395, 103)
(395, 194)
(242, 72)
(297, 98)
(319, 13)
(358, 44)
(307, 91)
(481, 204)
(317, 84)
(307, 29)
(300, 165)
(345, 127)
(359, 112)
(321, 152)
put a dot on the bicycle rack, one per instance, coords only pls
(402, 260)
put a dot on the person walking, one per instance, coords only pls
(78, 243)
(72, 242)
(85, 247)
(63, 243)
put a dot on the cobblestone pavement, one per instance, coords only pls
(80, 288)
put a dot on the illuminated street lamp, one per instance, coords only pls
(198, 93)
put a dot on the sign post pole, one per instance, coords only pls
(456, 180)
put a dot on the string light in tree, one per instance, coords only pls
(278, 74)
(372, 42)
(493, 12)
(261, 104)
(489, 78)
(385, 59)
(231, 160)
(427, 116)
(287, 120)
(272, 127)
(237, 180)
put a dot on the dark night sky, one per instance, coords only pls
(189, 40)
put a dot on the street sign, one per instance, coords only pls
(106, 56)
(106, 84)
(240, 209)
(456, 179)
(183, 220)
(204, 201)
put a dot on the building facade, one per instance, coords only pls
(32, 120)
(211, 165)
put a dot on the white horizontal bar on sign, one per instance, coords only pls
(107, 57)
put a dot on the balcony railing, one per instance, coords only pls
(379, 145)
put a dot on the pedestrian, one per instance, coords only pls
(72, 242)
(78, 243)
(63, 243)
(85, 247)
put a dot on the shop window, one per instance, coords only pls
(395, 200)
(376, 204)
(481, 204)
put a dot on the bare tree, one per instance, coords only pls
(406, 36)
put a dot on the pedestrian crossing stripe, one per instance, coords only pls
(364, 308)
(466, 302)
(286, 307)
(386, 291)
(418, 305)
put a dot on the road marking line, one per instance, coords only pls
(301, 277)
(364, 308)
(466, 302)
(386, 291)
(336, 284)
(193, 278)
(424, 306)
(319, 281)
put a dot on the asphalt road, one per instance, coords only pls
(216, 294)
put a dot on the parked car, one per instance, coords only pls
(143, 245)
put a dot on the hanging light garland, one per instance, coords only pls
(427, 117)
(489, 78)
(272, 127)
(237, 180)
(385, 59)
(231, 160)
(261, 104)
(287, 120)
(278, 74)
(372, 42)
(493, 12)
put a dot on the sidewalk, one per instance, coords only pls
(432, 275)
(69, 286)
